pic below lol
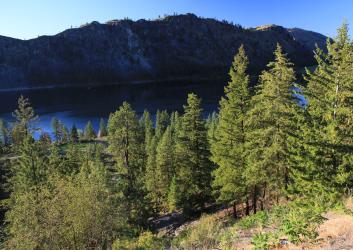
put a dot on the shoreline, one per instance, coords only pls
(94, 85)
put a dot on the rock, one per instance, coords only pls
(125, 51)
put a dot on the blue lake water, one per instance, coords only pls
(80, 105)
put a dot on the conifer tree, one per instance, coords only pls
(272, 121)
(102, 129)
(30, 169)
(74, 134)
(4, 133)
(65, 134)
(162, 121)
(124, 137)
(25, 118)
(165, 166)
(328, 162)
(192, 158)
(228, 141)
(90, 134)
(56, 126)
(151, 181)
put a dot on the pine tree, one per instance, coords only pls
(228, 141)
(74, 134)
(25, 118)
(102, 129)
(328, 165)
(30, 169)
(56, 126)
(4, 133)
(90, 134)
(124, 137)
(65, 134)
(192, 158)
(151, 181)
(73, 160)
(165, 169)
(162, 121)
(272, 122)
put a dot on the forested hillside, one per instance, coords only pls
(124, 51)
(276, 163)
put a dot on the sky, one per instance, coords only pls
(26, 19)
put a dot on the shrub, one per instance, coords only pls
(146, 241)
(259, 219)
(203, 235)
(260, 241)
(227, 238)
(302, 221)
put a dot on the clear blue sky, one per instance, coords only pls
(29, 18)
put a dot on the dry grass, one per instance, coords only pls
(336, 232)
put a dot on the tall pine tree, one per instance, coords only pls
(230, 137)
(192, 156)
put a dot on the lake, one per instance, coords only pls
(78, 105)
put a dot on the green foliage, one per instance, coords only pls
(260, 219)
(260, 241)
(77, 212)
(25, 118)
(4, 133)
(146, 241)
(302, 221)
(229, 139)
(102, 129)
(327, 165)
(90, 134)
(192, 156)
(30, 168)
(203, 235)
(272, 119)
(74, 134)
(126, 145)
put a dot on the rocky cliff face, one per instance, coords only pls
(125, 50)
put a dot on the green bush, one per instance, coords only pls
(302, 221)
(203, 235)
(259, 219)
(146, 241)
(260, 241)
(227, 238)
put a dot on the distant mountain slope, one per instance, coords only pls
(125, 50)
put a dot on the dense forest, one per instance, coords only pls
(263, 149)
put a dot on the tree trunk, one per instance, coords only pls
(263, 198)
(235, 210)
(254, 200)
(247, 208)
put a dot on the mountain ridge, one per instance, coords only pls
(126, 51)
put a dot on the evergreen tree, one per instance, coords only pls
(90, 134)
(328, 162)
(124, 137)
(30, 168)
(228, 141)
(4, 133)
(56, 126)
(73, 160)
(151, 181)
(272, 121)
(74, 134)
(162, 121)
(165, 169)
(25, 118)
(65, 134)
(102, 129)
(192, 158)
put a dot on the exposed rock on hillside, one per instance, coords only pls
(125, 50)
